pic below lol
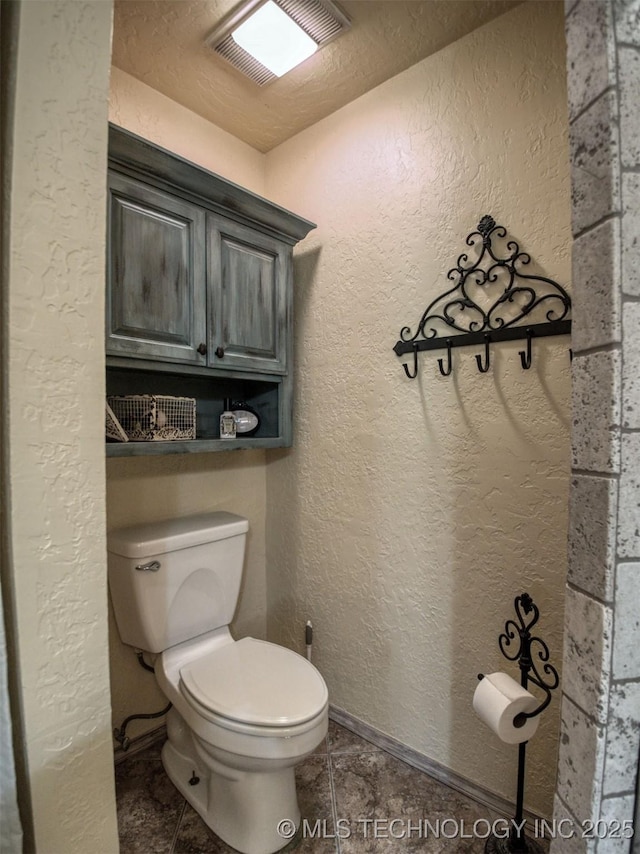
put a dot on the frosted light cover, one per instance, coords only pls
(274, 39)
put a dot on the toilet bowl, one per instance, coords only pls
(245, 712)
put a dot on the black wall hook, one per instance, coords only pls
(487, 357)
(441, 364)
(415, 364)
(525, 358)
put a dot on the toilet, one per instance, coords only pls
(244, 712)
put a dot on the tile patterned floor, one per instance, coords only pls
(343, 788)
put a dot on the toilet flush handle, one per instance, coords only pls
(153, 566)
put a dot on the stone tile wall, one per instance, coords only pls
(600, 737)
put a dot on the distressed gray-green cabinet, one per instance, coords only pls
(249, 275)
(156, 293)
(199, 294)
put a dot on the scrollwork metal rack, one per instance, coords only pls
(526, 306)
(527, 615)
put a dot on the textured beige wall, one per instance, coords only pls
(139, 108)
(151, 488)
(409, 514)
(55, 393)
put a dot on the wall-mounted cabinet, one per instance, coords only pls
(199, 294)
(156, 292)
(249, 318)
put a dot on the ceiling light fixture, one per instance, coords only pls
(274, 39)
(265, 39)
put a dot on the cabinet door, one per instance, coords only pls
(156, 290)
(249, 298)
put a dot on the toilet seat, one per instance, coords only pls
(253, 684)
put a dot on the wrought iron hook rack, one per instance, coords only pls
(526, 306)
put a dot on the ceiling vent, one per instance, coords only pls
(322, 20)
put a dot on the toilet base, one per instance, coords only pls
(245, 809)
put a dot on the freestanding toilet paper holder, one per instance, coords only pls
(527, 614)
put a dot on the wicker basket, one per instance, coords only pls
(113, 428)
(155, 417)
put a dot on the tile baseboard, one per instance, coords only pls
(502, 806)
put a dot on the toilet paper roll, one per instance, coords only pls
(497, 701)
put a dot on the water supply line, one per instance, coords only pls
(308, 638)
(120, 733)
(143, 663)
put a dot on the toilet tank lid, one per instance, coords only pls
(154, 538)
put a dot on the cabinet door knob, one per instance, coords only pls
(220, 352)
(202, 349)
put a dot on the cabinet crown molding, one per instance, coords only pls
(135, 156)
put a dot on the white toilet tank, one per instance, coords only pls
(172, 581)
